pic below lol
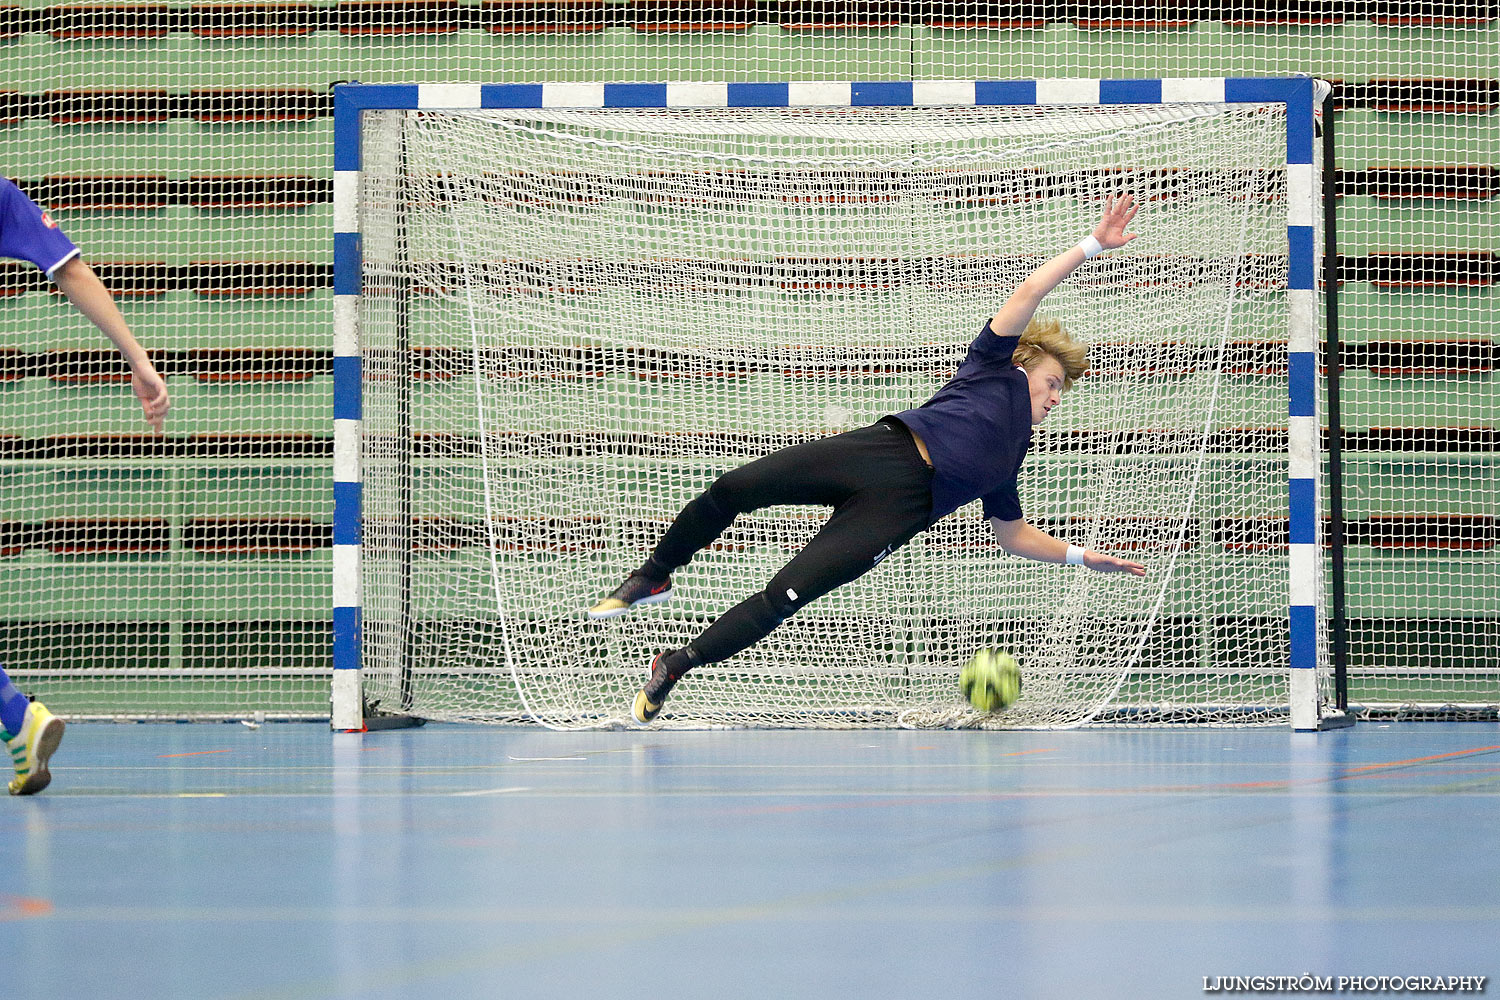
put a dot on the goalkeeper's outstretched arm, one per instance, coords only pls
(1021, 539)
(1109, 234)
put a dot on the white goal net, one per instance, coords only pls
(572, 321)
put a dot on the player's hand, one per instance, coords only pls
(1110, 232)
(151, 389)
(1110, 564)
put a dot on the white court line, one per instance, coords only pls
(589, 753)
(493, 791)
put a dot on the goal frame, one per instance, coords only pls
(1305, 612)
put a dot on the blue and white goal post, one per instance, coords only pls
(1305, 631)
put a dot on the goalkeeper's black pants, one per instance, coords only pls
(880, 490)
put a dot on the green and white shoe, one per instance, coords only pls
(32, 748)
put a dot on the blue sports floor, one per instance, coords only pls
(454, 861)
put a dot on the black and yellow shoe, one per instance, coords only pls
(636, 589)
(649, 699)
(645, 710)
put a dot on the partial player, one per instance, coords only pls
(891, 480)
(31, 733)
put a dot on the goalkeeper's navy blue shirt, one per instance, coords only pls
(28, 233)
(977, 429)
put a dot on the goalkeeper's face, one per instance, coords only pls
(1046, 379)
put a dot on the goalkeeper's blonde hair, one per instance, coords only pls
(1047, 337)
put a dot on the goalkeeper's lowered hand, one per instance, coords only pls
(1112, 564)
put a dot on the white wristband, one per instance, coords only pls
(1090, 247)
(1075, 556)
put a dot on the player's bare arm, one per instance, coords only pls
(84, 289)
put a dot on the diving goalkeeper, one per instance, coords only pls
(891, 480)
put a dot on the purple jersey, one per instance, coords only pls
(977, 429)
(28, 233)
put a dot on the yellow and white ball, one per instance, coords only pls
(991, 680)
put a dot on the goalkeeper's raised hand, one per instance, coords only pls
(1110, 232)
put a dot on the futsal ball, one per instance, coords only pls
(991, 680)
